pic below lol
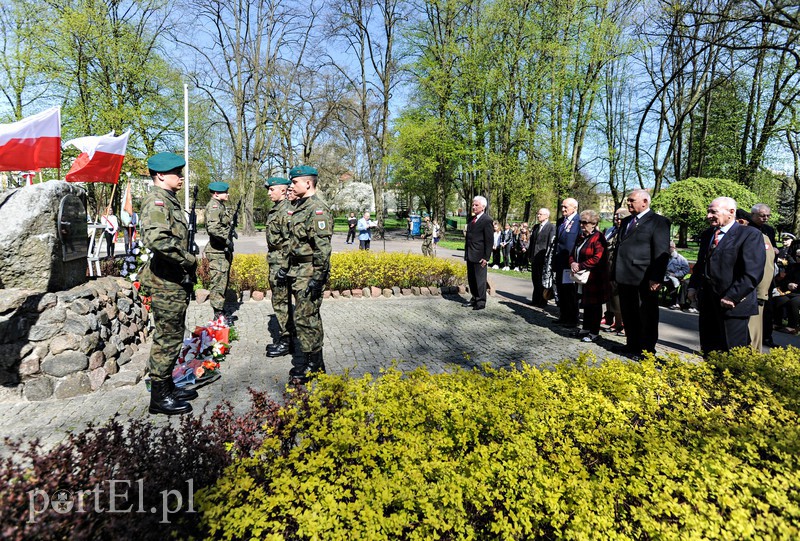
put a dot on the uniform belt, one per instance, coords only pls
(300, 259)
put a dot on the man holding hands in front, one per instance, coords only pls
(640, 263)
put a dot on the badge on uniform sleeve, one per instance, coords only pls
(158, 203)
(289, 212)
(321, 224)
(319, 212)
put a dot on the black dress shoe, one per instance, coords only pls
(770, 343)
(478, 307)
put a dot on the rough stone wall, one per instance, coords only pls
(67, 343)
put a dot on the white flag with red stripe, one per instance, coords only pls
(100, 159)
(31, 143)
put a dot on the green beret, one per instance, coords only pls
(302, 171)
(164, 162)
(277, 181)
(218, 187)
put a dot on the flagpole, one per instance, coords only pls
(186, 144)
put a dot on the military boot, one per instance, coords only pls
(283, 346)
(181, 393)
(162, 400)
(316, 364)
(310, 364)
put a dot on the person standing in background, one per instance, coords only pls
(567, 229)
(640, 263)
(756, 324)
(219, 250)
(477, 249)
(110, 232)
(730, 265)
(427, 237)
(542, 237)
(364, 228)
(351, 228)
(278, 259)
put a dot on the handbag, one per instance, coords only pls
(581, 277)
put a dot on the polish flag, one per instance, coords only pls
(100, 159)
(31, 143)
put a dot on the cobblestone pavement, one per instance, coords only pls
(361, 336)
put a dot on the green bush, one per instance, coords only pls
(358, 269)
(249, 272)
(585, 450)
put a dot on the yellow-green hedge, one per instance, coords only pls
(350, 270)
(249, 272)
(358, 269)
(619, 450)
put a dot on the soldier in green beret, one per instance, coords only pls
(278, 259)
(218, 250)
(427, 236)
(311, 228)
(166, 233)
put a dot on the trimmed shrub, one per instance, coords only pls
(351, 270)
(358, 269)
(580, 450)
(249, 272)
(617, 450)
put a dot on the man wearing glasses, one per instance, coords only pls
(640, 263)
(760, 214)
(167, 276)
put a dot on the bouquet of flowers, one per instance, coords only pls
(201, 354)
(135, 259)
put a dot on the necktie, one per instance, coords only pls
(631, 225)
(475, 219)
(717, 235)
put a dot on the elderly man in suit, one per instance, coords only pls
(477, 250)
(567, 229)
(730, 265)
(640, 262)
(541, 238)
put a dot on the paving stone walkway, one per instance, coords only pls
(361, 336)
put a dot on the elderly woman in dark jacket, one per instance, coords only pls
(591, 253)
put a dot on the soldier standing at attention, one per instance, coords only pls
(310, 228)
(427, 237)
(278, 259)
(218, 252)
(168, 277)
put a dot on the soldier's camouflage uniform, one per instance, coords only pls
(165, 232)
(311, 228)
(427, 238)
(218, 226)
(278, 258)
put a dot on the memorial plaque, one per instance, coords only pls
(72, 231)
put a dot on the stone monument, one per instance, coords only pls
(43, 237)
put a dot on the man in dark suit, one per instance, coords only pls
(477, 250)
(640, 263)
(567, 229)
(541, 238)
(730, 264)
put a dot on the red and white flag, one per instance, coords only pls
(31, 143)
(100, 159)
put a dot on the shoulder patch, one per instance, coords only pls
(215, 207)
(321, 225)
(289, 212)
(319, 212)
(158, 203)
